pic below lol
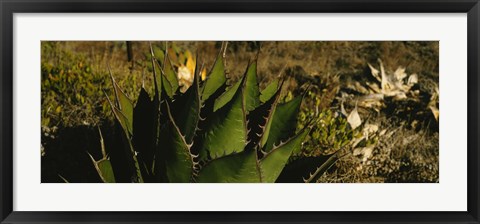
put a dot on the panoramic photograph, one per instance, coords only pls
(239, 112)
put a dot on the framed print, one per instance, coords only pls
(246, 112)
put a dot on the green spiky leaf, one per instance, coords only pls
(137, 177)
(157, 76)
(226, 130)
(233, 168)
(124, 104)
(145, 121)
(226, 96)
(269, 91)
(259, 122)
(158, 54)
(301, 169)
(167, 87)
(274, 162)
(178, 159)
(186, 110)
(129, 153)
(121, 118)
(63, 179)
(215, 79)
(268, 124)
(104, 169)
(319, 171)
(169, 78)
(121, 157)
(251, 90)
(284, 122)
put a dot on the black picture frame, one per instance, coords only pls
(9, 7)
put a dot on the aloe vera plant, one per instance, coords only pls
(209, 133)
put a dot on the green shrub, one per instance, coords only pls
(71, 91)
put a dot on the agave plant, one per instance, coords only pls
(397, 93)
(396, 85)
(210, 133)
